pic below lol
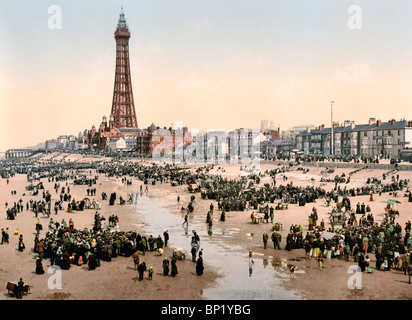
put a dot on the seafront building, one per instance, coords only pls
(372, 139)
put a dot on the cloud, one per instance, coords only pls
(198, 25)
(356, 73)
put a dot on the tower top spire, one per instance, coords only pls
(122, 21)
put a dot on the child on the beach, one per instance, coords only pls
(292, 272)
(150, 273)
(320, 263)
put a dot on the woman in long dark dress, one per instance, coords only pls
(174, 268)
(21, 246)
(39, 267)
(166, 267)
(92, 262)
(199, 266)
(223, 216)
(65, 262)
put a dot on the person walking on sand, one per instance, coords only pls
(193, 251)
(21, 245)
(186, 221)
(292, 272)
(136, 260)
(150, 271)
(71, 224)
(174, 268)
(165, 265)
(141, 269)
(307, 249)
(166, 237)
(19, 289)
(320, 263)
(251, 263)
(265, 240)
(199, 266)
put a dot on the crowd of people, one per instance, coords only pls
(67, 246)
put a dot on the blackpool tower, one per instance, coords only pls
(123, 110)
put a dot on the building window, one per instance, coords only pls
(399, 132)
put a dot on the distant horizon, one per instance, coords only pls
(211, 64)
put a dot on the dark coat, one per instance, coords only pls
(199, 266)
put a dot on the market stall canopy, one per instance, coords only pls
(328, 235)
(390, 201)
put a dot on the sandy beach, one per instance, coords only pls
(117, 280)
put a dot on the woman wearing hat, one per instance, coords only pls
(166, 237)
(174, 268)
(165, 265)
(142, 268)
(199, 266)
(316, 248)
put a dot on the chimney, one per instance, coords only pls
(307, 129)
(371, 120)
(335, 125)
(409, 124)
(392, 121)
(346, 123)
(378, 123)
(321, 127)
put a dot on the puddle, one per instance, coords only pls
(239, 279)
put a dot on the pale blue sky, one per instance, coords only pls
(211, 64)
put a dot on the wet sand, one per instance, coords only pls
(112, 280)
(117, 279)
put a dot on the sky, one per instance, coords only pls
(211, 64)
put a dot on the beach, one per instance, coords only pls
(117, 280)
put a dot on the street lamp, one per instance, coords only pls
(331, 119)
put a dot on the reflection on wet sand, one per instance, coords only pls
(223, 257)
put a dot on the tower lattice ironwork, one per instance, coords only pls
(123, 109)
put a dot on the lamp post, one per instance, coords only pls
(331, 119)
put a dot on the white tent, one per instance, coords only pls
(328, 235)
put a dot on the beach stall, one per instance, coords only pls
(11, 288)
(337, 220)
(192, 188)
(392, 207)
(328, 235)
